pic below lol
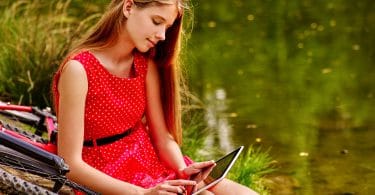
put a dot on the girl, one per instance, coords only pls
(124, 71)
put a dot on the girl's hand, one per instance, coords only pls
(170, 187)
(197, 171)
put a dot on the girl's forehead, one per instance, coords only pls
(160, 1)
(167, 2)
(178, 4)
(167, 11)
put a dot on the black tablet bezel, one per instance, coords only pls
(209, 183)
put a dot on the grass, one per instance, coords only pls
(251, 167)
(35, 36)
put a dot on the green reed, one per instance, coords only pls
(251, 167)
(35, 36)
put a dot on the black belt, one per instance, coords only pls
(107, 140)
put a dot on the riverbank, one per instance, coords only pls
(250, 169)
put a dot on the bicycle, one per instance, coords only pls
(32, 153)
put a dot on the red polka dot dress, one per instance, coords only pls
(113, 105)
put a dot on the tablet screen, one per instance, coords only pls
(221, 169)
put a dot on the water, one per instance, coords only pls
(294, 76)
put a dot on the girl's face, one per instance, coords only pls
(147, 26)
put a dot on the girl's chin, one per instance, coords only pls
(144, 49)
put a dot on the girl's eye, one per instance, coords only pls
(156, 22)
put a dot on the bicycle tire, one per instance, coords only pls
(11, 184)
(27, 134)
(24, 117)
(35, 128)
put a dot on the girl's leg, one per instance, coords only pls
(227, 186)
(206, 192)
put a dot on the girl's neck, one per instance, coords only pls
(118, 58)
(118, 55)
(120, 52)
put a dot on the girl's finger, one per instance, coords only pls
(200, 165)
(191, 171)
(172, 189)
(206, 172)
(181, 182)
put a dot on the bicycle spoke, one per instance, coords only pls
(36, 172)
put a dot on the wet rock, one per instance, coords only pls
(344, 151)
(345, 193)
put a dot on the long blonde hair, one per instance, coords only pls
(166, 55)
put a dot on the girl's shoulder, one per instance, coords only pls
(83, 55)
(87, 59)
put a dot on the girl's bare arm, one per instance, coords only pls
(167, 148)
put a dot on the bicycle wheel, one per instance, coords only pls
(31, 170)
(38, 122)
(26, 134)
(11, 184)
(38, 172)
(25, 117)
(36, 166)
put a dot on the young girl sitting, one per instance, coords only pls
(126, 70)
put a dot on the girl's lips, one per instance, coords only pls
(152, 43)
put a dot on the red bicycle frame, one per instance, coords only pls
(46, 122)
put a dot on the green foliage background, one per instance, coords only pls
(289, 64)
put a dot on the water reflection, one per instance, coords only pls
(217, 121)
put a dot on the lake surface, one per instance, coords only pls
(297, 77)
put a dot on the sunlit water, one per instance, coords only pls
(296, 77)
(328, 156)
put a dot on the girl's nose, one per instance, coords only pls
(160, 35)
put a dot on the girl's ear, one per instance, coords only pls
(126, 9)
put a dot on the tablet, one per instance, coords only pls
(218, 173)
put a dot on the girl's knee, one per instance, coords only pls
(227, 186)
